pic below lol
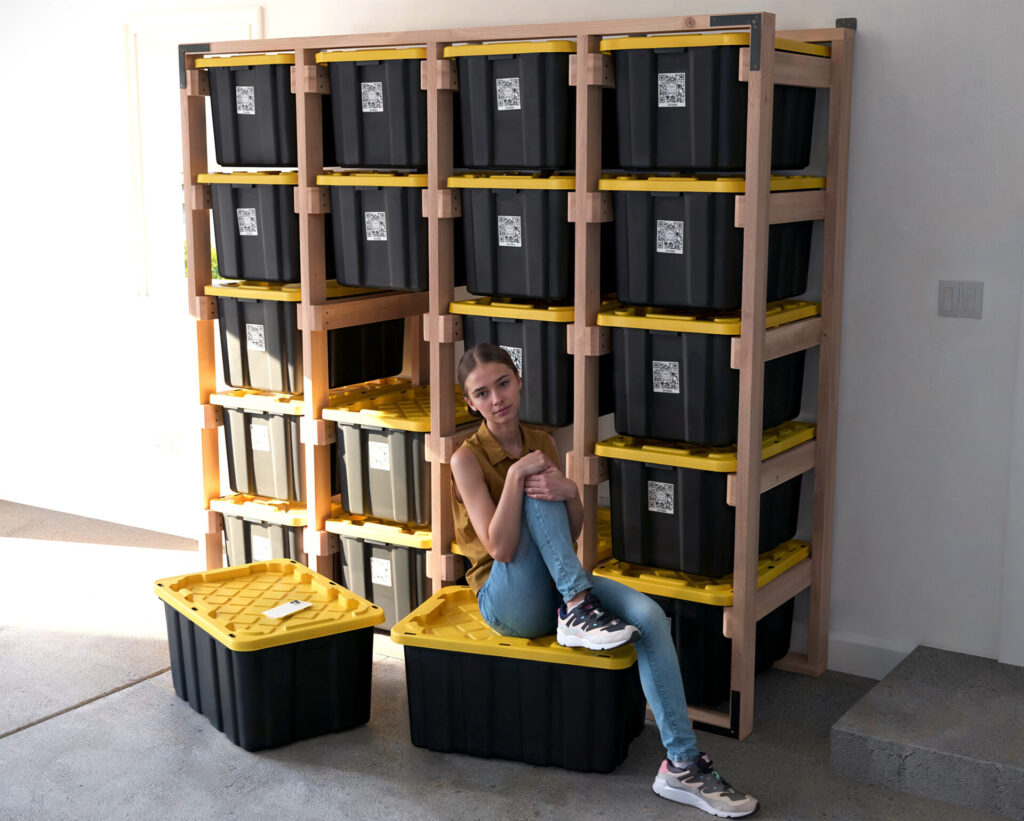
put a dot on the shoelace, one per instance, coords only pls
(598, 616)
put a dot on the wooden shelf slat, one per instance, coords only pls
(787, 206)
(793, 69)
(786, 339)
(772, 595)
(360, 310)
(777, 470)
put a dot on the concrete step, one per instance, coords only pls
(944, 725)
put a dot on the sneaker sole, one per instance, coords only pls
(694, 800)
(576, 641)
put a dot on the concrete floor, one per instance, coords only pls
(90, 726)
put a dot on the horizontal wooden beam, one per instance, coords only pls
(798, 663)
(447, 76)
(594, 469)
(597, 340)
(447, 200)
(315, 79)
(319, 542)
(793, 69)
(312, 200)
(214, 521)
(197, 82)
(452, 567)
(653, 25)
(773, 594)
(590, 206)
(324, 432)
(786, 206)
(205, 307)
(783, 340)
(598, 71)
(777, 470)
(212, 416)
(447, 328)
(448, 444)
(200, 198)
(815, 35)
(712, 718)
(361, 310)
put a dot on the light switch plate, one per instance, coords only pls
(949, 297)
(970, 299)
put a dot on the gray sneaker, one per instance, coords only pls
(700, 786)
(589, 625)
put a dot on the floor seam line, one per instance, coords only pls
(84, 703)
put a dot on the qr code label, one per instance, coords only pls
(255, 337)
(507, 92)
(260, 551)
(672, 90)
(517, 357)
(660, 497)
(665, 376)
(246, 222)
(380, 455)
(245, 100)
(259, 436)
(376, 226)
(510, 232)
(380, 571)
(670, 236)
(373, 96)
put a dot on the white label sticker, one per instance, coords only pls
(517, 357)
(376, 225)
(672, 90)
(259, 548)
(510, 232)
(507, 92)
(255, 338)
(246, 222)
(372, 96)
(259, 435)
(660, 497)
(665, 376)
(670, 236)
(286, 609)
(380, 456)
(380, 571)
(245, 100)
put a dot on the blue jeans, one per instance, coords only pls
(521, 598)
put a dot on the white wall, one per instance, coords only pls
(99, 417)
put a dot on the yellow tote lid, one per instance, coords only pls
(372, 179)
(251, 178)
(486, 49)
(276, 291)
(660, 319)
(506, 309)
(378, 530)
(703, 184)
(450, 620)
(698, 457)
(704, 40)
(292, 403)
(361, 55)
(273, 511)
(559, 182)
(246, 60)
(229, 603)
(263, 401)
(399, 410)
(674, 584)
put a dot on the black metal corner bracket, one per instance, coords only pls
(184, 49)
(846, 23)
(743, 21)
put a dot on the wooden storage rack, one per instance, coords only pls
(427, 315)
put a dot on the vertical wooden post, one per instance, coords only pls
(440, 244)
(828, 353)
(760, 91)
(587, 291)
(315, 388)
(197, 250)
